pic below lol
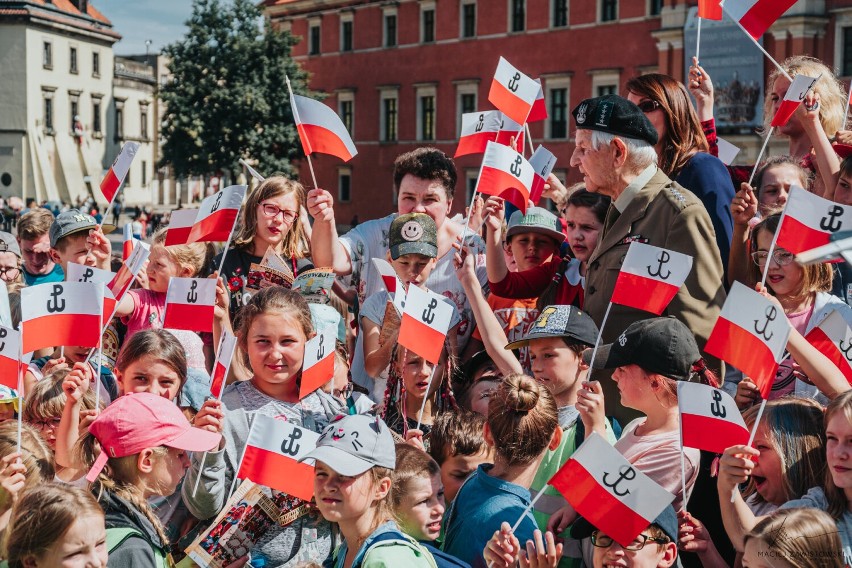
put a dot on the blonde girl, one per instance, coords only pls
(20, 472)
(272, 330)
(56, 526)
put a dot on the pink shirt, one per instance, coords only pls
(148, 309)
(785, 381)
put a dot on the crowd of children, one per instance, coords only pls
(126, 460)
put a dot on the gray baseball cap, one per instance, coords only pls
(73, 221)
(535, 220)
(560, 321)
(353, 444)
(9, 244)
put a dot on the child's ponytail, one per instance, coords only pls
(522, 417)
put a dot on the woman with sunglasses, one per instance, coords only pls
(269, 219)
(682, 149)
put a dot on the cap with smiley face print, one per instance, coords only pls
(413, 233)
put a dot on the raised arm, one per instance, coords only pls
(326, 249)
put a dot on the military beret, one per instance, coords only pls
(615, 115)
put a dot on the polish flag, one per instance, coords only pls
(506, 174)
(10, 365)
(793, 98)
(709, 418)
(603, 487)
(223, 362)
(809, 221)
(834, 340)
(127, 247)
(61, 313)
(273, 449)
(253, 172)
(217, 215)
(189, 304)
(130, 268)
(539, 108)
(118, 171)
(320, 129)
(709, 9)
(392, 282)
(81, 273)
(542, 162)
(650, 277)
(425, 322)
(512, 92)
(751, 334)
(755, 16)
(509, 129)
(318, 364)
(180, 225)
(478, 129)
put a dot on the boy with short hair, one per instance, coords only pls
(76, 237)
(32, 234)
(456, 443)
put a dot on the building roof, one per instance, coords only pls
(62, 12)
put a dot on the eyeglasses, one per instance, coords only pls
(10, 271)
(780, 257)
(51, 424)
(600, 540)
(272, 211)
(345, 392)
(648, 105)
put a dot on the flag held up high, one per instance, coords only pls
(756, 16)
(512, 92)
(478, 129)
(425, 322)
(709, 418)
(320, 129)
(834, 340)
(793, 98)
(189, 304)
(180, 226)
(505, 173)
(650, 277)
(809, 221)
(61, 313)
(118, 171)
(217, 215)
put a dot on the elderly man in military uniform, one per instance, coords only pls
(615, 153)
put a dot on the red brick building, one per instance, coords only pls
(401, 72)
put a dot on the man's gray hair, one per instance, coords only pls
(640, 154)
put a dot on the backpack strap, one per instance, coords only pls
(395, 536)
(116, 536)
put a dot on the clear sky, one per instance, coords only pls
(161, 21)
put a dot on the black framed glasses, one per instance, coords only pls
(600, 540)
(781, 257)
(271, 211)
(648, 105)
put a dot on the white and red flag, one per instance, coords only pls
(751, 334)
(180, 225)
(425, 322)
(506, 174)
(512, 92)
(318, 364)
(273, 449)
(81, 273)
(217, 215)
(223, 362)
(118, 171)
(605, 488)
(834, 340)
(61, 313)
(478, 129)
(509, 131)
(10, 364)
(809, 221)
(650, 277)
(189, 304)
(793, 98)
(709, 418)
(539, 108)
(542, 162)
(756, 16)
(127, 247)
(709, 9)
(320, 129)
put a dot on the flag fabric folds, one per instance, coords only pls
(756, 16)
(217, 215)
(792, 99)
(809, 221)
(320, 129)
(223, 363)
(709, 418)
(425, 323)
(189, 304)
(834, 340)
(118, 171)
(505, 173)
(61, 313)
(650, 277)
(512, 92)
(478, 129)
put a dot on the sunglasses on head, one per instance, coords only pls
(647, 106)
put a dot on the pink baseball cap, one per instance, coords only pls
(137, 421)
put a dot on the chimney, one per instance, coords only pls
(82, 5)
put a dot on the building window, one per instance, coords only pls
(468, 20)
(389, 118)
(390, 30)
(96, 116)
(119, 121)
(75, 111)
(427, 16)
(847, 52)
(468, 103)
(72, 68)
(144, 173)
(426, 106)
(314, 39)
(344, 185)
(518, 15)
(560, 13)
(96, 64)
(346, 35)
(48, 114)
(465, 101)
(603, 90)
(655, 7)
(143, 124)
(558, 113)
(346, 110)
(471, 176)
(127, 182)
(609, 10)
(47, 55)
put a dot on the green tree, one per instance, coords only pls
(227, 98)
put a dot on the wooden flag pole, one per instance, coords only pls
(698, 40)
(296, 116)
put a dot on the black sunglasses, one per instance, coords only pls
(647, 106)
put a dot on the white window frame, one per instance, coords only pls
(389, 11)
(346, 95)
(605, 78)
(599, 12)
(430, 90)
(314, 22)
(347, 17)
(551, 19)
(469, 87)
(425, 7)
(384, 94)
(462, 4)
(557, 82)
(511, 17)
